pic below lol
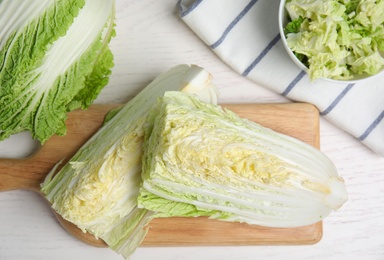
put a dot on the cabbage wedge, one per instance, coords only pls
(202, 160)
(97, 189)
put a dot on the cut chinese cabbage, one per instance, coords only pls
(202, 160)
(97, 189)
(54, 58)
(337, 39)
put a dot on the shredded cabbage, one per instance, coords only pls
(97, 189)
(337, 39)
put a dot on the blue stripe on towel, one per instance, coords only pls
(186, 10)
(294, 82)
(337, 99)
(233, 24)
(262, 54)
(375, 123)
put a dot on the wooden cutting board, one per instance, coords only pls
(295, 119)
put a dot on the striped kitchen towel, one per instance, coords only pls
(245, 35)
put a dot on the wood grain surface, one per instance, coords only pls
(295, 119)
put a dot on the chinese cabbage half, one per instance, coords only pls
(97, 189)
(54, 58)
(202, 160)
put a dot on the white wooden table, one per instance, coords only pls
(151, 39)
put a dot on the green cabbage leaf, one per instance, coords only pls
(54, 58)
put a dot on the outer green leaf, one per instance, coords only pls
(54, 58)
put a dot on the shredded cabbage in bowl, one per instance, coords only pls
(336, 39)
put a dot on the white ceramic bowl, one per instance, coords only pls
(283, 20)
